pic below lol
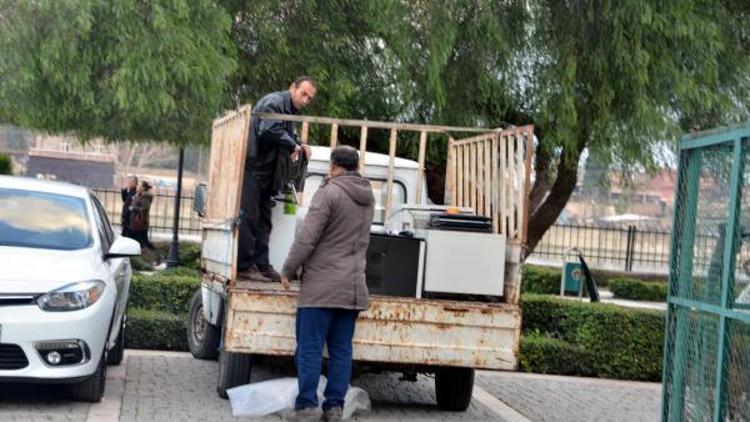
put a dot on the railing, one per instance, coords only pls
(490, 173)
(623, 248)
(161, 214)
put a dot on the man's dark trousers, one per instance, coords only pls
(316, 327)
(255, 224)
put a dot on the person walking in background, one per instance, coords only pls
(139, 214)
(128, 192)
(332, 246)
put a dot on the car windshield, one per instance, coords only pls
(43, 220)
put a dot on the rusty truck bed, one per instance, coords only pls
(261, 320)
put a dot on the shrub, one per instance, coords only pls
(633, 289)
(616, 342)
(603, 277)
(546, 355)
(190, 255)
(151, 329)
(140, 264)
(6, 165)
(542, 280)
(169, 291)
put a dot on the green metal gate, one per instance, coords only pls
(707, 341)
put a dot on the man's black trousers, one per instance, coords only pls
(255, 224)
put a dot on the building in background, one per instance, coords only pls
(64, 159)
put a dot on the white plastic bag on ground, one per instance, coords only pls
(275, 396)
(357, 400)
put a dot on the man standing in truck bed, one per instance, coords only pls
(268, 141)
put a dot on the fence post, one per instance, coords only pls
(173, 258)
(630, 249)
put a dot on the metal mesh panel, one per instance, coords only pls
(737, 372)
(692, 379)
(712, 210)
(707, 356)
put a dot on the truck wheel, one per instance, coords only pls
(234, 370)
(114, 357)
(203, 338)
(92, 389)
(453, 388)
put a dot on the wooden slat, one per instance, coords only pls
(460, 176)
(334, 136)
(371, 123)
(527, 180)
(450, 175)
(480, 178)
(305, 131)
(391, 164)
(362, 148)
(472, 177)
(487, 179)
(467, 191)
(420, 162)
(503, 185)
(519, 185)
(478, 138)
(496, 184)
(512, 187)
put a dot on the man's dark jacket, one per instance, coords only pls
(271, 142)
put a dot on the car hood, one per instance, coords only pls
(28, 270)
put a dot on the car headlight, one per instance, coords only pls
(72, 297)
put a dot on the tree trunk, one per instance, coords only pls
(543, 181)
(547, 212)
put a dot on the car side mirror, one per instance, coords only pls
(123, 247)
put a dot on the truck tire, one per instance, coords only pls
(453, 388)
(203, 338)
(92, 389)
(234, 370)
(114, 357)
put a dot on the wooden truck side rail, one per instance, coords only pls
(489, 172)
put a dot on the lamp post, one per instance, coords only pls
(173, 258)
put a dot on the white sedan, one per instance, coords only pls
(64, 286)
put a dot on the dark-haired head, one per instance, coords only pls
(344, 158)
(303, 91)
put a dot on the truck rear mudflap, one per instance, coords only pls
(261, 320)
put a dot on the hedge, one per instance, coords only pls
(633, 289)
(542, 280)
(546, 355)
(168, 291)
(559, 336)
(546, 280)
(151, 329)
(610, 341)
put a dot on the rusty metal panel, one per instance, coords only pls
(393, 330)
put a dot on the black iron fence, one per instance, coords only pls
(161, 215)
(632, 248)
(617, 248)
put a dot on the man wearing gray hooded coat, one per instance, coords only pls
(332, 246)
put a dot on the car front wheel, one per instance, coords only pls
(92, 389)
(114, 357)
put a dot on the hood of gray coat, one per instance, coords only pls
(357, 187)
